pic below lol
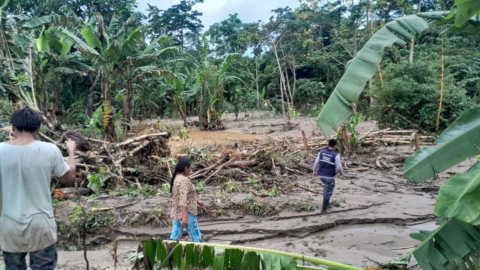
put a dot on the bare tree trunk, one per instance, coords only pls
(108, 110)
(355, 33)
(412, 43)
(90, 95)
(55, 101)
(257, 72)
(180, 110)
(282, 83)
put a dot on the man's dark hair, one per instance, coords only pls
(332, 143)
(26, 119)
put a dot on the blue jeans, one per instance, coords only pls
(328, 188)
(192, 229)
(45, 259)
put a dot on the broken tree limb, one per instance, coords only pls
(219, 168)
(305, 142)
(143, 137)
(305, 188)
(243, 163)
(208, 169)
(133, 152)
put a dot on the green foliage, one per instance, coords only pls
(256, 207)
(342, 102)
(96, 219)
(413, 91)
(201, 187)
(184, 133)
(231, 186)
(457, 198)
(166, 188)
(454, 243)
(457, 143)
(299, 207)
(164, 254)
(310, 91)
(275, 191)
(254, 183)
(97, 181)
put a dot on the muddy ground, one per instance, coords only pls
(373, 214)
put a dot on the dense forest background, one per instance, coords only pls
(101, 64)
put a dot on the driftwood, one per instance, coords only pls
(307, 189)
(305, 141)
(208, 169)
(143, 137)
(242, 163)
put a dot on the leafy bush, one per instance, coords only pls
(310, 91)
(413, 91)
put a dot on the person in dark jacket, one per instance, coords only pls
(326, 167)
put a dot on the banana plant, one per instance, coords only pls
(453, 245)
(108, 57)
(56, 61)
(160, 254)
(211, 80)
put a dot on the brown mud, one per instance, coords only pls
(373, 211)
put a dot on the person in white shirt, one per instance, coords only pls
(27, 224)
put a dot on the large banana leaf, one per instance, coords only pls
(454, 245)
(181, 255)
(458, 142)
(341, 103)
(464, 10)
(58, 20)
(458, 198)
(84, 47)
(3, 3)
(91, 39)
(130, 44)
(42, 43)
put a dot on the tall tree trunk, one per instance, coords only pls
(108, 109)
(257, 72)
(55, 101)
(180, 110)
(355, 33)
(90, 95)
(126, 113)
(282, 84)
(442, 81)
(412, 43)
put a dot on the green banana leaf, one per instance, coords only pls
(454, 245)
(91, 39)
(42, 43)
(458, 198)
(464, 10)
(58, 20)
(84, 47)
(182, 255)
(341, 103)
(458, 142)
(3, 3)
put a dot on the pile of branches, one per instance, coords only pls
(141, 157)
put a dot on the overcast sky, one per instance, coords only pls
(218, 10)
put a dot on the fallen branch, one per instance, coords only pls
(305, 188)
(208, 169)
(143, 137)
(133, 152)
